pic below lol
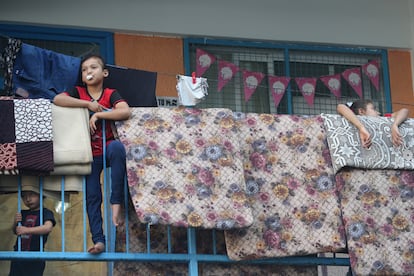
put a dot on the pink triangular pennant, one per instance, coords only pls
(226, 72)
(353, 77)
(307, 87)
(251, 80)
(371, 69)
(333, 82)
(204, 61)
(277, 87)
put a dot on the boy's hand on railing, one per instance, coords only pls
(21, 230)
(18, 218)
(92, 123)
(94, 106)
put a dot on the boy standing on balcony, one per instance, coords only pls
(104, 104)
(27, 225)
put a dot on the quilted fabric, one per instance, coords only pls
(159, 244)
(8, 155)
(378, 213)
(262, 269)
(138, 234)
(29, 123)
(184, 168)
(345, 144)
(290, 186)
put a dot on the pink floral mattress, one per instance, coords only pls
(290, 186)
(378, 213)
(184, 168)
(159, 244)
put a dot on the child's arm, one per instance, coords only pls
(399, 117)
(46, 228)
(120, 112)
(65, 100)
(17, 219)
(351, 117)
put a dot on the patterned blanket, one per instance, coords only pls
(345, 144)
(376, 189)
(378, 213)
(184, 168)
(138, 234)
(26, 138)
(214, 168)
(72, 153)
(290, 186)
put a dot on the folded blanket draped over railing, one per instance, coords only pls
(26, 137)
(184, 168)
(71, 146)
(345, 144)
(290, 186)
(72, 154)
(213, 168)
(279, 185)
(376, 189)
(138, 243)
(378, 213)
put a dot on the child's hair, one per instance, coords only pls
(360, 104)
(92, 55)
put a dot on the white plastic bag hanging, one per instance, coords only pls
(191, 90)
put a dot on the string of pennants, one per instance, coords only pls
(279, 84)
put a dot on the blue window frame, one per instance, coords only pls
(103, 40)
(290, 60)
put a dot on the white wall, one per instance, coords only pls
(379, 23)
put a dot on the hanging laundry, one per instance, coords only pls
(346, 150)
(9, 55)
(290, 186)
(191, 90)
(137, 239)
(378, 210)
(375, 186)
(41, 73)
(137, 87)
(26, 137)
(72, 152)
(200, 150)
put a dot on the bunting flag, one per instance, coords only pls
(307, 87)
(333, 82)
(204, 61)
(371, 69)
(353, 77)
(277, 87)
(226, 72)
(251, 80)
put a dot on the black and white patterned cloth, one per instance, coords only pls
(346, 150)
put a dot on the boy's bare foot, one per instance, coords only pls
(97, 248)
(116, 215)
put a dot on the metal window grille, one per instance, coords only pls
(292, 61)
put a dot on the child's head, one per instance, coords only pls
(31, 199)
(93, 69)
(364, 107)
